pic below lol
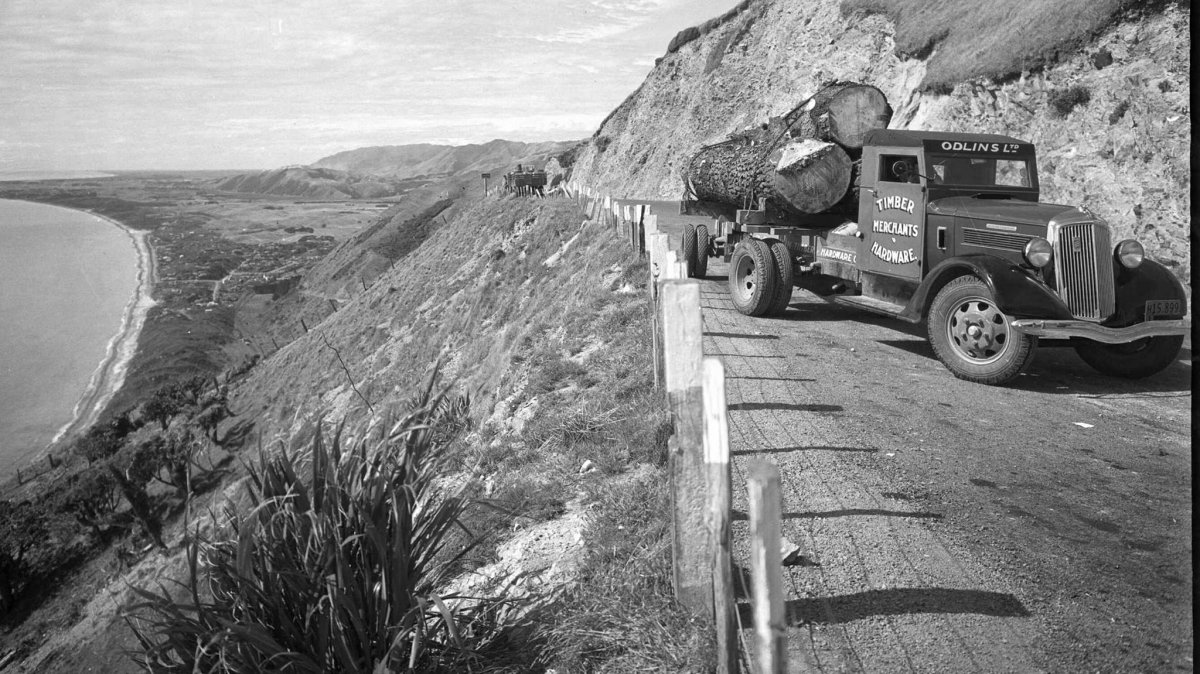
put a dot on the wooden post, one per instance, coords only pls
(302, 324)
(638, 214)
(333, 304)
(659, 256)
(682, 355)
(363, 282)
(765, 569)
(716, 460)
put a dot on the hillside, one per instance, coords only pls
(309, 183)
(408, 161)
(1110, 115)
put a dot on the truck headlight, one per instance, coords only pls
(1130, 253)
(1038, 252)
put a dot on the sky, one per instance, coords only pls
(220, 84)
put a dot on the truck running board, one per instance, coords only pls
(867, 303)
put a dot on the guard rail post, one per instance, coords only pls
(716, 459)
(682, 343)
(766, 573)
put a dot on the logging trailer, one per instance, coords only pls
(949, 231)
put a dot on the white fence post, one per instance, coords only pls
(716, 459)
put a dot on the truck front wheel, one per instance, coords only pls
(1133, 360)
(971, 336)
(752, 277)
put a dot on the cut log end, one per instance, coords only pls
(811, 176)
(849, 111)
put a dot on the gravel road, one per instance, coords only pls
(953, 527)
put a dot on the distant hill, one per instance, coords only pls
(310, 182)
(409, 161)
(392, 170)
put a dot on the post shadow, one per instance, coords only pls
(900, 601)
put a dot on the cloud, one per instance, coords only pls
(121, 80)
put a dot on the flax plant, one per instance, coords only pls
(336, 573)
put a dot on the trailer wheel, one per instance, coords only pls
(1134, 360)
(782, 258)
(702, 245)
(689, 249)
(971, 336)
(752, 277)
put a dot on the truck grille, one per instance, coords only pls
(1083, 267)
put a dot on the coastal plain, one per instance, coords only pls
(209, 250)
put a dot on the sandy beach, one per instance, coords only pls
(110, 374)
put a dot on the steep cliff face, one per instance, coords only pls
(1123, 152)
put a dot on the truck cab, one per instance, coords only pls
(949, 231)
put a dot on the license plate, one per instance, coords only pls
(1158, 308)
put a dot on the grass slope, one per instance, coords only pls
(981, 38)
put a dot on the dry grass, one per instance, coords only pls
(983, 38)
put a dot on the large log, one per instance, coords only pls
(803, 177)
(840, 112)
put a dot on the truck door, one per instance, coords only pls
(892, 216)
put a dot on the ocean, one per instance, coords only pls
(68, 291)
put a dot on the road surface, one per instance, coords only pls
(949, 526)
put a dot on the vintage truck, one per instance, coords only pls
(950, 232)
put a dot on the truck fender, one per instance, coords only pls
(1015, 292)
(1148, 281)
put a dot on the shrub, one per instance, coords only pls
(100, 442)
(1063, 101)
(91, 497)
(602, 143)
(334, 573)
(22, 529)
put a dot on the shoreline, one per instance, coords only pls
(109, 375)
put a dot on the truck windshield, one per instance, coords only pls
(979, 171)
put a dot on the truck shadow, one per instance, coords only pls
(826, 312)
(1057, 369)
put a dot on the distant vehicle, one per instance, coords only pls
(525, 181)
(950, 231)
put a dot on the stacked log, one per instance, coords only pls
(801, 162)
(799, 177)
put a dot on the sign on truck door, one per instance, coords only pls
(892, 221)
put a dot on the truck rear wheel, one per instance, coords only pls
(1134, 360)
(702, 244)
(689, 249)
(971, 336)
(782, 258)
(752, 277)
